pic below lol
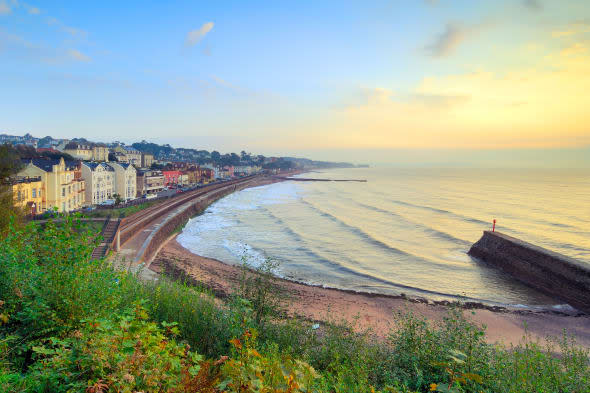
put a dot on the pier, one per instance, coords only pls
(549, 272)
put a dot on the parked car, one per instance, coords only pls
(108, 202)
(151, 196)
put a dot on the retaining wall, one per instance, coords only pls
(198, 205)
(549, 272)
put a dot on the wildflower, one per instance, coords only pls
(433, 387)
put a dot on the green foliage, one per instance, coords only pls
(9, 165)
(248, 371)
(50, 283)
(120, 212)
(66, 325)
(259, 286)
(531, 367)
(125, 354)
(206, 326)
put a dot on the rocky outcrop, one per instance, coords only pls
(549, 272)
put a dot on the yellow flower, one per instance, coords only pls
(433, 387)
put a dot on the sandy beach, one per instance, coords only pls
(369, 310)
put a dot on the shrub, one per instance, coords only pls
(125, 354)
(259, 286)
(65, 323)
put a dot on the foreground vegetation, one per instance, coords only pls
(71, 324)
(120, 212)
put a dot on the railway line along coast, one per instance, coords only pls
(140, 236)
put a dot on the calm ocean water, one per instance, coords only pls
(404, 231)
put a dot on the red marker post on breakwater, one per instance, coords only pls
(494, 226)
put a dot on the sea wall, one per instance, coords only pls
(549, 272)
(196, 206)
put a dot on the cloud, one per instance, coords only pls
(446, 43)
(78, 56)
(226, 84)
(33, 10)
(439, 100)
(575, 49)
(206, 51)
(532, 106)
(4, 8)
(376, 95)
(578, 27)
(74, 32)
(195, 36)
(533, 5)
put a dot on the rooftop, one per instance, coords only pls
(94, 165)
(24, 179)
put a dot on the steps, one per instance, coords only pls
(100, 251)
(109, 231)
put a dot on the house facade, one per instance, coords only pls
(128, 155)
(149, 182)
(125, 180)
(146, 160)
(171, 177)
(60, 189)
(79, 151)
(100, 182)
(87, 152)
(28, 194)
(100, 152)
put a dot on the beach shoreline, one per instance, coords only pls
(371, 310)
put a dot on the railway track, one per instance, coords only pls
(130, 225)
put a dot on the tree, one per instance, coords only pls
(234, 159)
(215, 156)
(9, 166)
(9, 162)
(118, 199)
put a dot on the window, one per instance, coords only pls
(63, 206)
(69, 189)
(63, 191)
(34, 192)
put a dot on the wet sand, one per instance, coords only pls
(370, 310)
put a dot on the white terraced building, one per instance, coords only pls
(125, 180)
(100, 182)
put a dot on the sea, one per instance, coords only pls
(402, 231)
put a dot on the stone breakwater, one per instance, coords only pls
(549, 272)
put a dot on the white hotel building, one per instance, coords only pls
(100, 182)
(125, 180)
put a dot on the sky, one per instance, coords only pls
(424, 82)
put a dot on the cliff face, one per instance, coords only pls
(549, 272)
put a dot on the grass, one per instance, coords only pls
(122, 212)
(72, 324)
